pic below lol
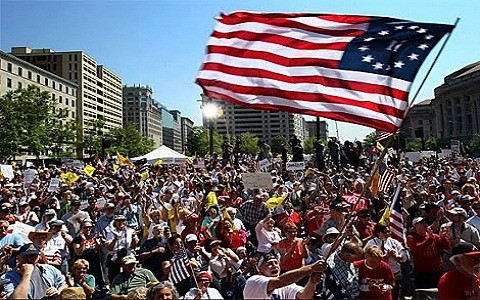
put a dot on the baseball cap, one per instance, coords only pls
(191, 237)
(50, 211)
(56, 223)
(266, 257)
(129, 259)
(463, 248)
(109, 205)
(418, 220)
(204, 275)
(28, 249)
(119, 217)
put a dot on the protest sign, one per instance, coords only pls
(295, 165)
(54, 184)
(7, 171)
(257, 180)
(22, 230)
(29, 176)
(264, 163)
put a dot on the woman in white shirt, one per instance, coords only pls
(268, 235)
(204, 279)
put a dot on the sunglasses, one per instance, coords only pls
(292, 231)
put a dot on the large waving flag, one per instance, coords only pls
(124, 161)
(357, 69)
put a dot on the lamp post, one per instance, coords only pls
(210, 111)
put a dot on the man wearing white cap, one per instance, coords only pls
(458, 229)
(130, 278)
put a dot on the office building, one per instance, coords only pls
(139, 109)
(99, 89)
(234, 120)
(321, 127)
(456, 104)
(420, 122)
(187, 127)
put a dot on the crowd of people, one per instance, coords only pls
(195, 231)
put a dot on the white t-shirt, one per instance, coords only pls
(256, 288)
(211, 293)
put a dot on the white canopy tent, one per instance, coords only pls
(167, 155)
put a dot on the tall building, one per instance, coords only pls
(456, 104)
(314, 126)
(99, 89)
(138, 109)
(171, 128)
(420, 121)
(234, 120)
(187, 126)
(16, 73)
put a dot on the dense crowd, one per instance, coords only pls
(195, 231)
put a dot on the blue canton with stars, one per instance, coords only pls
(393, 47)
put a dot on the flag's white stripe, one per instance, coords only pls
(309, 71)
(307, 105)
(276, 48)
(396, 222)
(327, 24)
(295, 33)
(304, 87)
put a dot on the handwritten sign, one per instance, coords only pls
(295, 165)
(22, 230)
(257, 180)
(54, 184)
(7, 171)
(264, 163)
(29, 176)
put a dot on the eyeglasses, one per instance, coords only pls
(292, 231)
(3, 227)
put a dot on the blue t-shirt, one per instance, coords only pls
(16, 241)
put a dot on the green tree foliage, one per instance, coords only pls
(432, 144)
(277, 144)
(31, 122)
(371, 138)
(250, 143)
(128, 140)
(414, 145)
(309, 145)
(474, 144)
(198, 142)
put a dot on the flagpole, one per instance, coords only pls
(431, 66)
(350, 215)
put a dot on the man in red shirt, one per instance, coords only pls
(426, 249)
(364, 225)
(463, 282)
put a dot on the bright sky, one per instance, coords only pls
(162, 43)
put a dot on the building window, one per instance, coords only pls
(60, 99)
(60, 87)
(9, 82)
(20, 71)
(30, 75)
(9, 67)
(46, 81)
(73, 114)
(66, 101)
(19, 85)
(38, 78)
(73, 103)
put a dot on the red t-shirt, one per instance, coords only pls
(294, 217)
(455, 285)
(426, 251)
(382, 274)
(364, 230)
(296, 259)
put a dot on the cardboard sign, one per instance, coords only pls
(29, 176)
(7, 171)
(257, 180)
(54, 184)
(78, 164)
(22, 230)
(295, 165)
(264, 163)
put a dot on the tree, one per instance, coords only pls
(371, 138)
(474, 144)
(432, 144)
(309, 145)
(198, 142)
(277, 143)
(249, 143)
(128, 141)
(31, 122)
(414, 145)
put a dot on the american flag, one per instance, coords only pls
(356, 69)
(386, 177)
(396, 216)
(384, 135)
(179, 270)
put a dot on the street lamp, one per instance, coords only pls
(210, 112)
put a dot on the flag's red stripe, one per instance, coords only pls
(279, 40)
(302, 96)
(287, 21)
(274, 58)
(347, 19)
(340, 116)
(325, 81)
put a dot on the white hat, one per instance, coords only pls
(191, 237)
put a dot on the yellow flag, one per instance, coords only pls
(89, 170)
(375, 182)
(385, 219)
(115, 168)
(380, 147)
(123, 161)
(158, 162)
(189, 160)
(275, 202)
(144, 176)
(69, 178)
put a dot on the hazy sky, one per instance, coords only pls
(162, 43)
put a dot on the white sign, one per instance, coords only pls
(413, 156)
(54, 184)
(200, 164)
(78, 164)
(7, 171)
(29, 176)
(264, 163)
(22, 230)
(168, 160)
(295, 165)
(257, 180)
